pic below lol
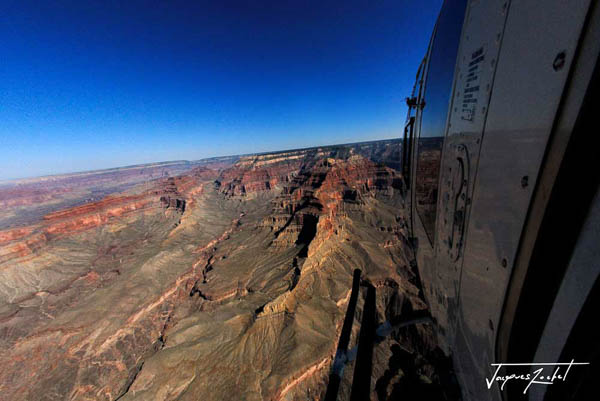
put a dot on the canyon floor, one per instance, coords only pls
(227, 281)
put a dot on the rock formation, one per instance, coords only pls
(218, 283)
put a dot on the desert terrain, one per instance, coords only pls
(227, 279)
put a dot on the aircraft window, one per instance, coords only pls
(438, 87)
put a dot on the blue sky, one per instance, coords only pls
(99, 83)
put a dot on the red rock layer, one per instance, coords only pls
(29, 196)
(169, 194)
(253, 175)
(315, 191)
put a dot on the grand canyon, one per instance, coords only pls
(222, 279)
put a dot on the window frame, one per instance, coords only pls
(421, 110)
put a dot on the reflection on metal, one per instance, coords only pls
(441, 66)
(515, 89)
(426, 188)
(455, 200)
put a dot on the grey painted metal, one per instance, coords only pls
(492, 156)
(476, 67)
(581, 72)
(525, 99)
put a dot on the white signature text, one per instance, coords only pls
(555, 372)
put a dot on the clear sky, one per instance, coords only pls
(89, 84)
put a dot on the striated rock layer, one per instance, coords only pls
(212, 285)
(26, 201)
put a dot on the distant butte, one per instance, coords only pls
(231, 277)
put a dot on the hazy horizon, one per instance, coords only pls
(106, 85)
(33, 177)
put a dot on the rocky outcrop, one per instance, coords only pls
(27, 201)
(318, 192)
(255, 174)
(213, 283)
(167, 195)
(173, 203)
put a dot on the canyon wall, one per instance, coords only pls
(220, 282)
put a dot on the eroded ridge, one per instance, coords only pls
(218, 281)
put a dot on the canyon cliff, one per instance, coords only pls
(228, 281)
